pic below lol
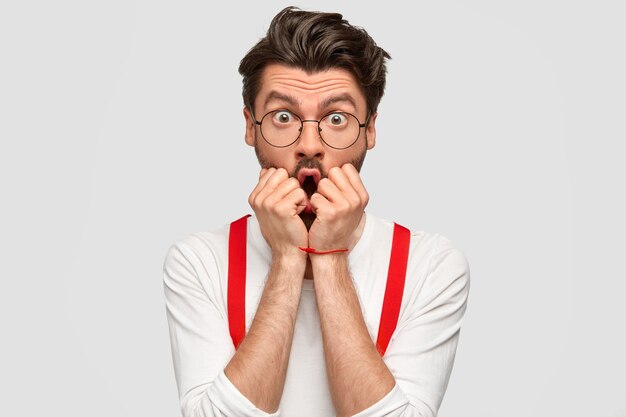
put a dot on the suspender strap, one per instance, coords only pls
(237, 279)
(395, 286)
(237, 283)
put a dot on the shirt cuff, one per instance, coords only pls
(230, 401)
(395, 400)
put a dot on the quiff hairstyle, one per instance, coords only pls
(314, 42)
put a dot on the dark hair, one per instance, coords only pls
(316, 41)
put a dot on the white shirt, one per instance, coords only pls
(420, 354)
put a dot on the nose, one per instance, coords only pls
(310, 144)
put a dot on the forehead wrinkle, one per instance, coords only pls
(293, 87)
(340, 96)
(320, 86)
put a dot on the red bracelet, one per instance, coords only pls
(315, 251)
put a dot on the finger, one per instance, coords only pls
(355, 180)
(340, 179)
(275, 179)
(319, 202)
(282, 190)
(264, 175)
(343, 196)
(327, 188)
(296, 199)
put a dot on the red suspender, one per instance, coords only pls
(237, 283)
(237, 279)
(395, 286)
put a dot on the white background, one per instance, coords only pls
(502, 128)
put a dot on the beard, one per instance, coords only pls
(309, 186)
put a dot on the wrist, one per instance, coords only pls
(288, 253)
(287, 273)
(328, 261)
(321, 252)
(289, 258)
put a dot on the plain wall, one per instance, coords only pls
(502, 128)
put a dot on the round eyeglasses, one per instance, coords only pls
(282, 128)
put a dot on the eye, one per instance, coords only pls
(283, 117)
(336, 119)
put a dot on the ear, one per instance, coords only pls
(370, 130)
(250, 126)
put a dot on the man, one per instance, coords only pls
(280, 313)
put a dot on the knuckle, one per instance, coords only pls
(266, 204)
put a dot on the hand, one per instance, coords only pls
(277, 200)
(338, 205)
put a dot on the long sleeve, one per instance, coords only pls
(200, 340)
(422, 349)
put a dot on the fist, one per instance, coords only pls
(338, 204)
(277, 201)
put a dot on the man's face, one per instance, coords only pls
(310, 97)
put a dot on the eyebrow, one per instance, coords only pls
(346, 98)
(275, 95)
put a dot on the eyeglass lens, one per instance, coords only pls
(282, 128)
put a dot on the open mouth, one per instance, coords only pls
(309, 186)
(308, 179)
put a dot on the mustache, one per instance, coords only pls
(309, 163)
